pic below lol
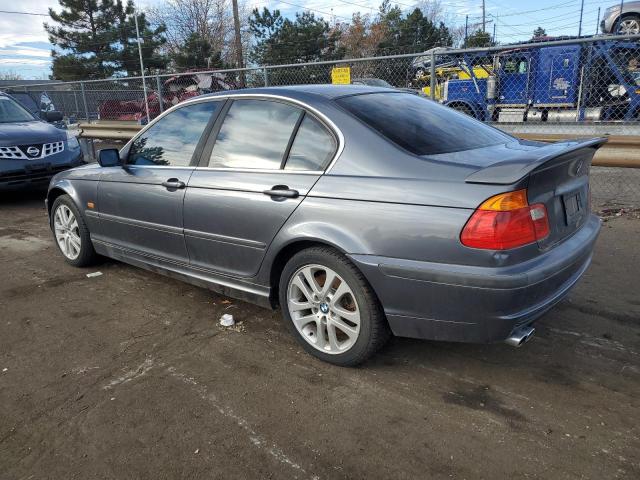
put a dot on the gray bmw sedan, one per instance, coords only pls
(360, 211)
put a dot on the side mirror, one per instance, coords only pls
(109, 157)
(53, 116)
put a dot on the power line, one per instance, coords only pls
(25, 13)
(313, 10)
(554, 7)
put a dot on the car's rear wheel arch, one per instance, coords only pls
(286, 253)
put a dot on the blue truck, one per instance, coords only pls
(594, 81)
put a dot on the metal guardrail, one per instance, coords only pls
(107, 130)
(619, 151)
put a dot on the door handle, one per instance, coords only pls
(173, 183)
(282, 191)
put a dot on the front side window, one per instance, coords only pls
(173, 139)
(421, 126)
(12, 112)
(254, 134)
(312, 148)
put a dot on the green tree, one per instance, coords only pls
(83, 32)
(280, 40)
(479, 39)
(197, 52)
(539, 32)
(265, 27)
(415, 32)
(126, 56)
(97, 39)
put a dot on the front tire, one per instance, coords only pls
(71, 233)
(629, 25)
(330, 307)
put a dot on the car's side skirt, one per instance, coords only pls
(223, 284)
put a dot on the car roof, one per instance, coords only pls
(321, 90)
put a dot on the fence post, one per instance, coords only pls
(75, 101)
(84, 101)
(432, 86)
(266, 76)
(159, 88)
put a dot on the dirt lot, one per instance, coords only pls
(128, 375)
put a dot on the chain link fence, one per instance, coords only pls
(543, 91)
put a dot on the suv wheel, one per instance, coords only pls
(330, 307)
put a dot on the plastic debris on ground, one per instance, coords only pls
(94, 274)
(227, 320)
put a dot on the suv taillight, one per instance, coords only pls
(506, 221)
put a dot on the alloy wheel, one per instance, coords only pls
(630, 26)
(67, 233)
(323, 309)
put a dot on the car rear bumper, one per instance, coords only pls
(476, 304)
(36, 175)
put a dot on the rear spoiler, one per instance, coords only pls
(510, 171)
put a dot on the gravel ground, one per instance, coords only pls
(615, 186)
(128, 375)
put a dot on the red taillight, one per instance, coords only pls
(506, 221)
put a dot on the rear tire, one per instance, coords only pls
(70, 233)
(342, 324)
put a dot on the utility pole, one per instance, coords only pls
(144, 82)
(466, 29)
(598, 21)
(494, 29)
(484, 30)
(580, 24)
(238, 43)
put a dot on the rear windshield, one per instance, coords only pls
(421, 126)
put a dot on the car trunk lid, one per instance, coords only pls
(557, 176)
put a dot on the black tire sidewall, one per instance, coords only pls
(87, 253)
(370, 312)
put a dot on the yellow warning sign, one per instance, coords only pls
(341, 75)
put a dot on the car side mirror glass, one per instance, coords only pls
(109, 157)
(53, 116)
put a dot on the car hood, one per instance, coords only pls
(26, 133)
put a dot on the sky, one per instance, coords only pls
(25, 49)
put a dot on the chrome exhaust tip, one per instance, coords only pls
(520, 336)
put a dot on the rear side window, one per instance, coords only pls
(312, 148)
(254, 134)
(172, 140)
(421, 126)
